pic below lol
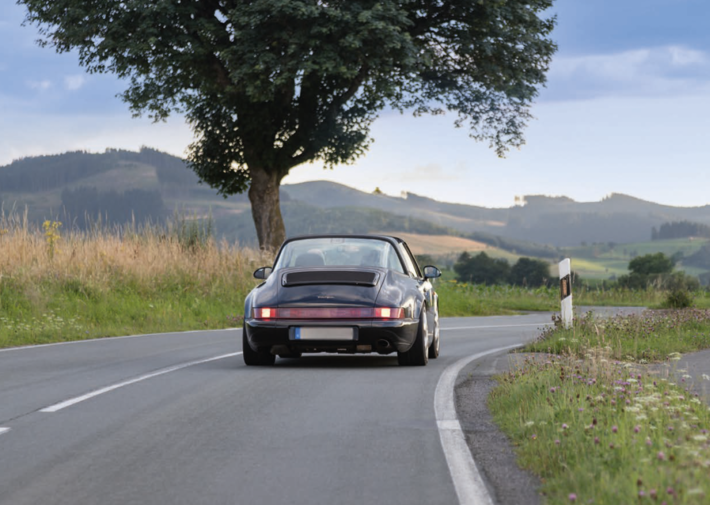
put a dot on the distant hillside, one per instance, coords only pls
(303, 219)
(78, 186)
(558, 221)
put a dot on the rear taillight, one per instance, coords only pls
(389, 313)
(265, 313)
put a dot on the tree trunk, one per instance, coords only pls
(266, 209)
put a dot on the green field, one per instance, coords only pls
(602, 261)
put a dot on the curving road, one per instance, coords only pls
(178, 419)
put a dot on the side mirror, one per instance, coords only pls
(431, 272)
(263, 273)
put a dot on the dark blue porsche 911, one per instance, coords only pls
(342, 294)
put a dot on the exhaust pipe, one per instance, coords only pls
(383, 343)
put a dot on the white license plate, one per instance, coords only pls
(321, 333)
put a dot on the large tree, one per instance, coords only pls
(270, 84)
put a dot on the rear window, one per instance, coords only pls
(339, 251)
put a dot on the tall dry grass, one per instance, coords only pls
(118, 280)
(145, 255)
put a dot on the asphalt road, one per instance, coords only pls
(162, 426)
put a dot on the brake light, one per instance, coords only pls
(389, 313)
(267, 313)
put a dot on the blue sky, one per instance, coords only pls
(626, 109)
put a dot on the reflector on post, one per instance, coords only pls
(566, 293)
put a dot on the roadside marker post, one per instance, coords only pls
(566, 293)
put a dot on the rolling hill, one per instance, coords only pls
(79, 185)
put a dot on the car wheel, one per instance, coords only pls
(434, 347)
(252, 357)
(418, 354)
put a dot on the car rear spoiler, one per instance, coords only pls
(354, 277)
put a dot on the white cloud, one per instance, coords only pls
(682, 56)
(40, 85)
(659, 71)
(74, 82)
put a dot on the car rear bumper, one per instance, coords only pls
(383, 337)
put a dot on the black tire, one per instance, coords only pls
(252, 357)
(434, 347)
(418, 354)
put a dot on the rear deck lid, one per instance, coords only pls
(330, 287)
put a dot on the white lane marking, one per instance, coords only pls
(109, 339)
(73, 401)
(469, 485)
(4, 430)
(496, 326)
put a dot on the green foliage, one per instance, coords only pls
(482, 269)
(680, 229)
(76, 310)
(651, 264)
(653, 335)
(43, 173)
(268, 85)
(679, 299)
(192, 233)
(656, 270)
(604, 432)
(462, 300)
(530, 272)
(516, 246)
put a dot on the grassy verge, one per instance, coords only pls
(647, 337)
(458, 299)
(56, 287)
(603, 432)
(622, 297)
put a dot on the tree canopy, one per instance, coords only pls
(650, 264)
(530, 272)
(482, 269)
(269, 84)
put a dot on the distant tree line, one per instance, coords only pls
(515, 246)
(42, 173)
(483, 269)
(680, 229)
(656, 271)
(87, 205)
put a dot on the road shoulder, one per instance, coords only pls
(495, 457)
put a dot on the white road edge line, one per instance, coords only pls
(4, 430)
(73, 401)
(496, 326)
(470, 488)
(109, 339)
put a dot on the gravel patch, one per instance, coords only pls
(492, 451)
